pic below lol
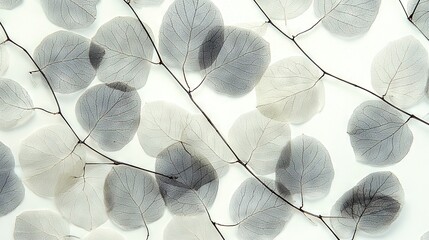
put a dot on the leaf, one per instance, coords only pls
(48, 155)
(305, 168)
(290, 91)
(121, 51)
(348, 18)
(40, 225)
(80, 198)
(64, 58)
(4, 58)
(110, 113)
(201, 136)
(197, 182)
(284, 9)
(240, 63)
(132, 198)
(184, 29)
(9, 4)
(70, 14)
(191, 228)
(399, 71)
(104, 234)
(371, 206)
(145, 3)
(425, 236)
(379, 134)
(16, 105)
(420, 16)
(258, 141)
(258, 212)
(162, 125)
(11, 191)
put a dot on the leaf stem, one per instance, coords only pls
(410, 17)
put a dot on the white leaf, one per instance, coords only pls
(4, 58)
(40, 225)
(196, 227)
(145, 3)
(70, 14)
(9, 4)
(284, 9)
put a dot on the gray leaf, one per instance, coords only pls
(132, 198)
(110, 113)
(259, 213)
(371, 206)
(70, 14)
(196, 185)
(258, 141)
(400, 71)
(425, 236)
(145, 3)
(378, 133)
(305, 168)
(420, 17)
(347, 18)
(122, 51)
(40, 225)
(9, 4)
(11, 191)
(240, 64)
(184, 29)
(64, 58)
(284, 9)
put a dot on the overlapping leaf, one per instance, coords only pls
(184, 31)
(132, 198)
(371, 206)
(305, 168)
(121, 51)
(284, 9)
(191, 228)
(40, 225)
(104, 234)
(258, 141)
(4, 59)
(110, 113)
(70, 14)
(379, 134)
(259, 213)
(9, 4)
(196, 183)
(16, 105)
(240, 63)
(400, 71)
(11, 191)
(162, 125)
(47, 156)
(80, 198)
(347, 18)
(418, 11)
(64, 58)
(290, 91)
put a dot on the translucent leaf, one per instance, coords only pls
(11, 191)
(64, 58)
(305, 168)
(184, 29)
(259, 213)
(16, 105)
(399, 71)
(347, 18)
(240, 63)
(379, 134)
(425, 236)
(420, 17)
(104, 234)
(197, 182)
(80, 198)
(191, 228)
(47, 156)
(4, 58)
(258, 141)
(110, 113)
(371, 206)
(132, 198)
(70, 14)
(145, 3)
(284, 9)
(290, 91)
(161, 125)
(40, 225)
(9, 4)
(201, 136)
(121, 51)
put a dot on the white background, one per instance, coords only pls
(348, 58)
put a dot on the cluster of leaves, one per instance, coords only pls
(191, 153)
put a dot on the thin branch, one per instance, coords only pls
(410, 18)
(309, 29)
(414, 10)
(44, 110)
(328, 227)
